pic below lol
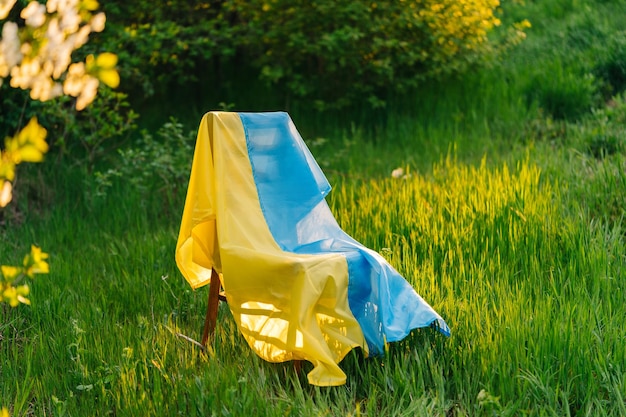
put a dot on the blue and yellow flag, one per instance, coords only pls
(298, 286)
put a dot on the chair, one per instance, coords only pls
(257, 223)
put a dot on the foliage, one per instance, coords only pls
(574, 58)
(78, 138)
(604, 130)
(93, 134)
(611, 65)
(165, 43)
(333, 53)
(38, 57)
(154, 165)
(568, 96)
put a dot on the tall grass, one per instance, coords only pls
(533, 296)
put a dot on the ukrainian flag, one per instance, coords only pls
(297, 285)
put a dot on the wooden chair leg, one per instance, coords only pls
(211, 312)
(210, 320)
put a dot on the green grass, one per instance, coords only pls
(534, 298)
(511, 224)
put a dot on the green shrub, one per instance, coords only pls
(333, 53)
(13, 102)
(91, 135)
(165, 43)
(86, 136)
(154, 166)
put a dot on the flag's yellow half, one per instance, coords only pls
(281, 308)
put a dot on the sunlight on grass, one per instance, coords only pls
(532, 296)
(523, 287)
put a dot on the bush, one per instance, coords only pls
(155, 166)
(333, 53)
(93, 134)
(165, 43)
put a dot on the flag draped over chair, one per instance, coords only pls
(297, 285)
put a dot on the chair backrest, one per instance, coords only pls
(289, 181)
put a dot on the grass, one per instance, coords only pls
(510, 223)
(534, 298)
